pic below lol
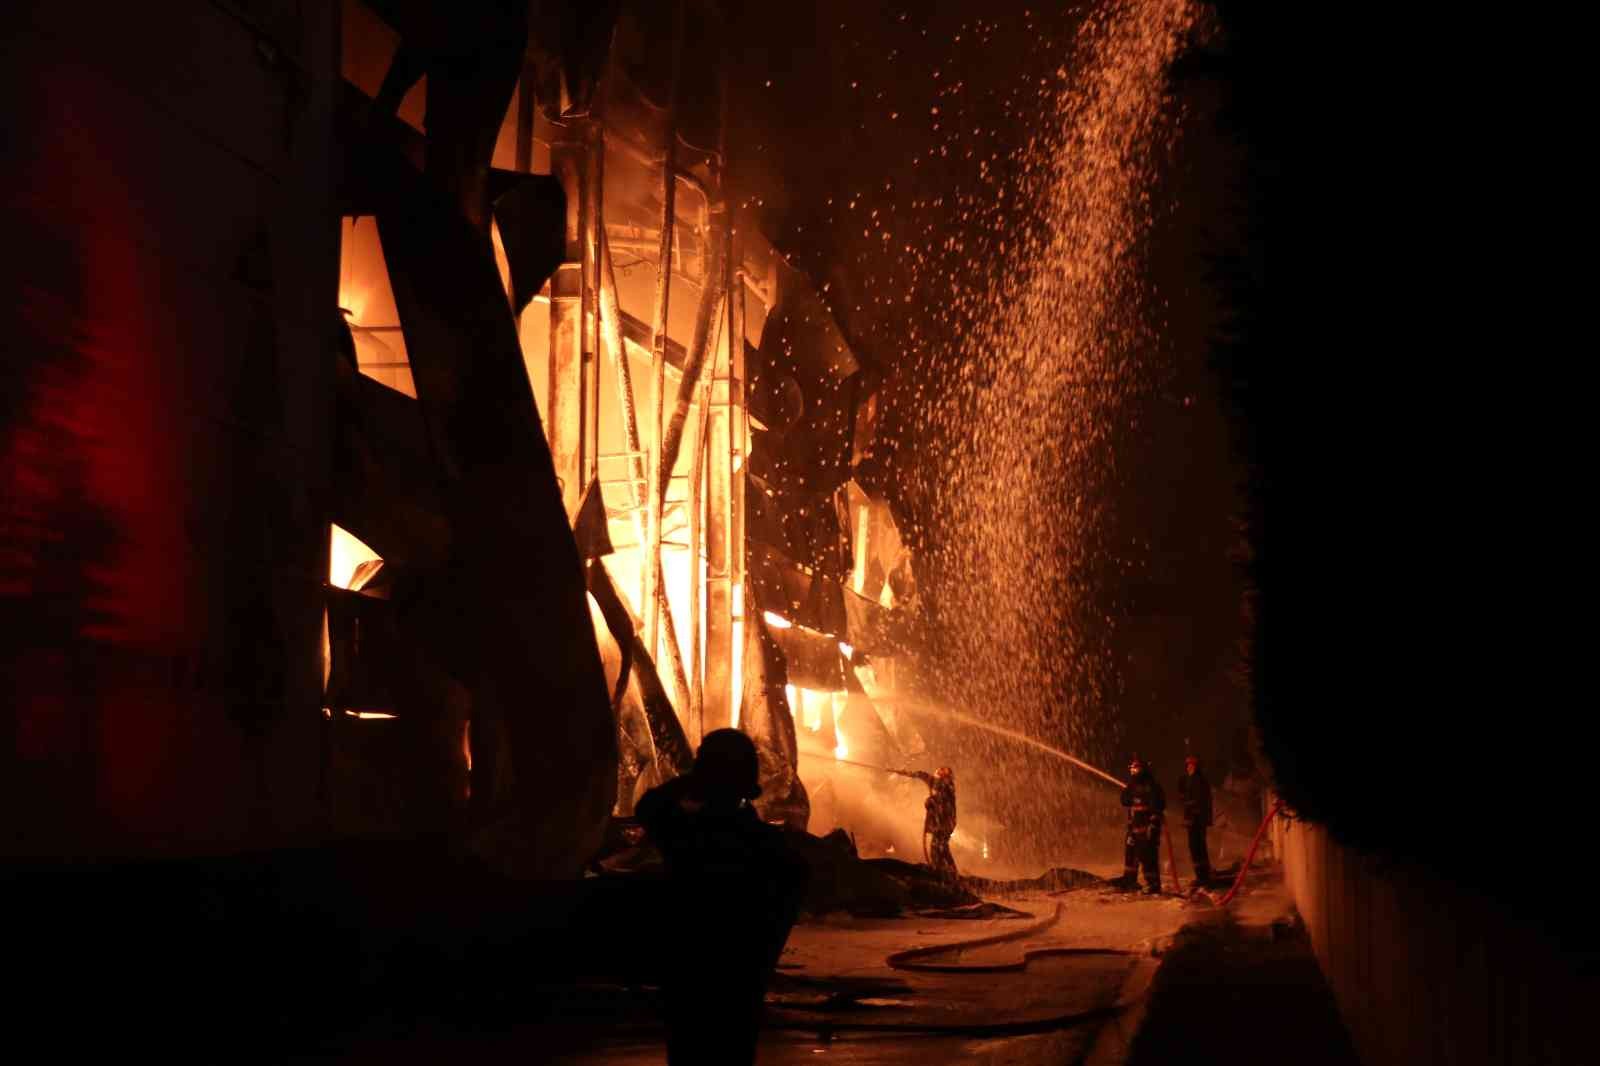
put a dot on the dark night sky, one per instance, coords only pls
(833, 102)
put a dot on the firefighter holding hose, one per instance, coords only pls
(1147, 804)
(940, 820)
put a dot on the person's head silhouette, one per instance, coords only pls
(726, 771)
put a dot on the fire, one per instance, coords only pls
(345, 553)
(777, 621)
(737, 664)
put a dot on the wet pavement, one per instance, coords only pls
(838, 998)
(1059, 987)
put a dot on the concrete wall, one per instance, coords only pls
(169, 272)
(1426, 971)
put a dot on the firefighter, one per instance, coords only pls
(734, 891)
(1146, 803)
(939, 821)
(1195, 793)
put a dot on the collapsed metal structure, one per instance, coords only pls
(596, 438)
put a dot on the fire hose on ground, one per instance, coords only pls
(1172, 857)
(1244, 867)
(914, 960)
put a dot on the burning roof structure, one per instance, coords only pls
(595, 443)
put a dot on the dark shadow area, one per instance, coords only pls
(1227, 994)
(1376, 620)
(1403, 663)
(248, 958)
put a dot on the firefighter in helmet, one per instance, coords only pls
(940, 820)
(1195, 792)
(1147, 804)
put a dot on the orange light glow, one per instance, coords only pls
(346, 552)
(777, 621)
(738, 659)
(367, 714)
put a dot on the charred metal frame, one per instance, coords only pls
(586, 322)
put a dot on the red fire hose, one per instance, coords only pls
(1245, 866)
(1172, 857)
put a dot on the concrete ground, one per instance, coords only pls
(1241, 987)
(1154, 980)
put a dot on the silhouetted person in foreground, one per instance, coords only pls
(735, 891)
(939, 821)
(1147, 804)
(1195, 793)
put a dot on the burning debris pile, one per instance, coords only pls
(840, 879)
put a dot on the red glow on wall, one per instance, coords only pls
(97, 569)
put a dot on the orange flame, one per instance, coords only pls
(346, 552)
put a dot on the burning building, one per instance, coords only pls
(536, 460)
(703, 415)
(409, 433)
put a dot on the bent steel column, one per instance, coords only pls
(649, 562)
(722, 546)
(568, 404)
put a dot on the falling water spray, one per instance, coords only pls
(1051, 332)
(1002, 731)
